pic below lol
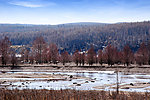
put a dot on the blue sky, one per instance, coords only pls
(69, 11)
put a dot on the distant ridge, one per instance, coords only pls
(82, 23)
(76, 23)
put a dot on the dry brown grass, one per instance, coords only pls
(70, 95)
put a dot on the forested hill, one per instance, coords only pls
(80, 35)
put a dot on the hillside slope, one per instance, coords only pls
(80, 35)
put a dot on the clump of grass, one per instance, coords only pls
(70, 95)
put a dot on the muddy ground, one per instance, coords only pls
(73, 67)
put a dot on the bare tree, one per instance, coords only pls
(76, 57)
(109, 55)
(45, 55)
(13, 57)
(142, 55)
(22, 55)
(64, 57)
(82, 58)
(91, 56)
(127, 55)
(120, 56)
(4, 50)
(31, 57)
(39, 45)
(148, 48)
(100, 57)
(25, 55)
(53, 54)
(115, 55)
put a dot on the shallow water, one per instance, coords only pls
(89, 80)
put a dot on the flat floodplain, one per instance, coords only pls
(73, 78)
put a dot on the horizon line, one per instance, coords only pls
(77, 22)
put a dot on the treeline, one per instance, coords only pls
(81, 36)
(42, 52)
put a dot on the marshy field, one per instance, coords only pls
(73, 83)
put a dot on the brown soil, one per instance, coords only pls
(72, 67)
